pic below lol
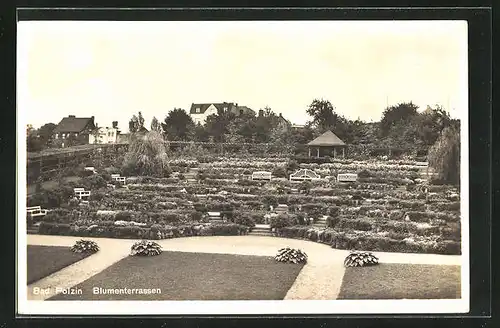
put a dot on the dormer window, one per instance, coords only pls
(198, 110)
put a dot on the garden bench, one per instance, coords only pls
(347, 177)
(304, 175)
(90, 168)
(118, 178)
(36, 211)
(262, 175)
(81, 192)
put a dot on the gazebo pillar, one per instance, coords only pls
(318, 152)
(343, 152)
(334, 152)
(309, 148)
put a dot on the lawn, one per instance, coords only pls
(398, 281)
(45, 260)
(194, 276)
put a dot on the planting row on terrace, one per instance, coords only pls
(168, 224)
(277, 161)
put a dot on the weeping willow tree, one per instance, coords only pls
(147, 156)
(444, 156)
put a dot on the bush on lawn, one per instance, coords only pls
(290, 255)
(360, 259)
(85, 246)
(146, 248)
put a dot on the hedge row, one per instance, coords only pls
(152, 232)
(341, 240)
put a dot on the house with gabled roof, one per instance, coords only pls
(76, 129)
(200, 112)
(327, 144)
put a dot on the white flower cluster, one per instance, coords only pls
(359, 259)
(85, 246)
(291, 255)
(146, 248)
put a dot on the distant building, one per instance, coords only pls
(327, 144)
(200, 112)
(74, 130)
(105, 135)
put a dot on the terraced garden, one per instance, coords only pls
(391, 207)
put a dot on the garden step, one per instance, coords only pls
(261, 230)
(266, 234)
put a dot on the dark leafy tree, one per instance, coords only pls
(178, 125)
(155, 125)
(393, 115)
(325, 118)
(200, 133)
(45, 133)
(218, 126)
(136, 123)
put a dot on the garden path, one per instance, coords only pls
(320, 278)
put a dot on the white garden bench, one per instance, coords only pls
(262, 175)
(36, 211)
(81, 192)
(305, 175)
(118, 178)
(347, 177)
(91, 169)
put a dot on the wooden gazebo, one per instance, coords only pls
(327, 144)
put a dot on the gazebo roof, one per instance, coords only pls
(327, 139)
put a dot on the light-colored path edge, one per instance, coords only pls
(319, 279)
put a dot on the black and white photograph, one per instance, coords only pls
(242, 167)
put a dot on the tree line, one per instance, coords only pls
(400, 126)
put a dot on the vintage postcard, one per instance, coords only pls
(242, 167)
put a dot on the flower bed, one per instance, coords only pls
(370, 241)
(154, 231)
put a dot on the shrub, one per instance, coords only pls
(85, 246)
(331, 222)
(359, 259)
(51, 228)
(356, 224)
(244, 219)
(94, 181)
(365, 174)
(146, 248)
(124, 216)
(282, 220)
(290, 255)
(196, 216)
(279, 172)
(334, 211)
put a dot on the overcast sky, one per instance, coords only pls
(114, 69)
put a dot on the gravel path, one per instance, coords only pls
(320, 279)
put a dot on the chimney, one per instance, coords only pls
(71, 116)
(115, 124)
(261, 112)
